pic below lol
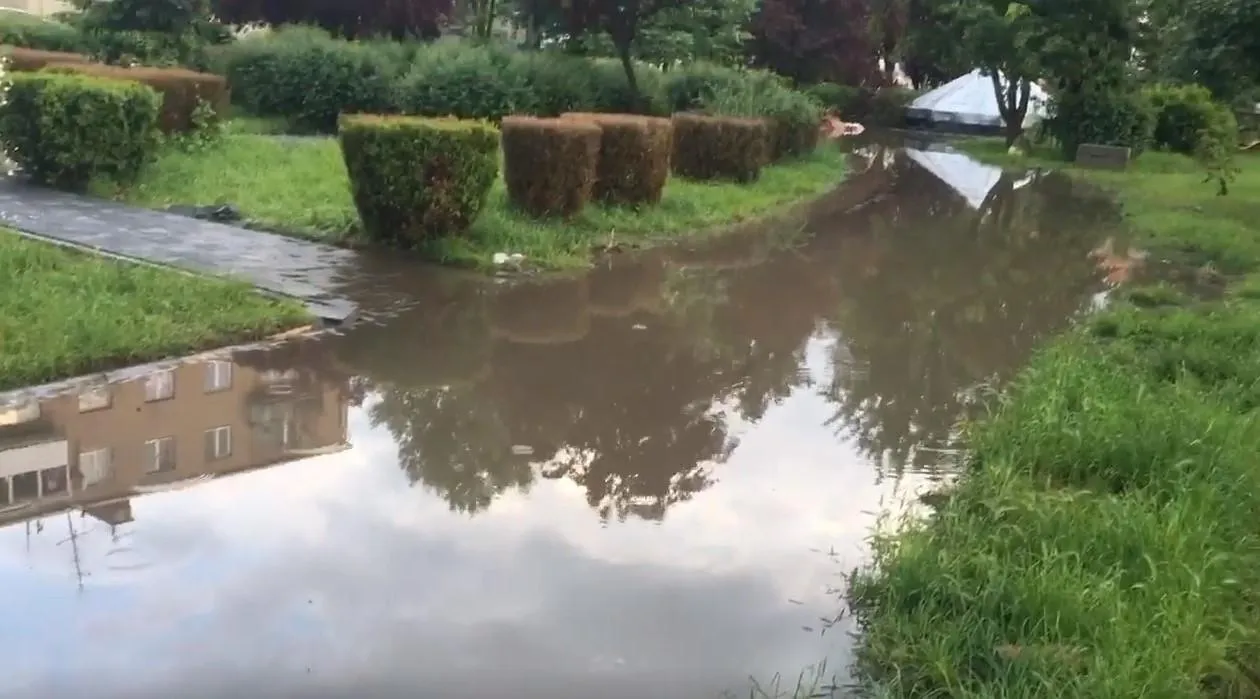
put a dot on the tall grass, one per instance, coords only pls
(1105, 538)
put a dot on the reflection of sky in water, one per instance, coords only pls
(332, 573)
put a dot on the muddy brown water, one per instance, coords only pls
(648, 481)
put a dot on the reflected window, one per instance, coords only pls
(96, 466)
(55, 481)
(159, 455)
(159, 386)
(218, 443)
(25, 486)
(19, 413)
(95, 398)
(218, 376)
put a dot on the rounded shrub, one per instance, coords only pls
(183, 91)
(1102, 116)
(415, 178)
(711, 147)
(550, 165)
(464, 81)
(1186, 114)
(309, 78)
(634, 157)
(63, 130)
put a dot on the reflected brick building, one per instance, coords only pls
(96, 448)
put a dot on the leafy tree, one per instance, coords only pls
(704, 30)
(1222, 47)
(814, 41)
(889, 27)
(930, 51)
(1003, 38)
(621, 20)
(347, 18)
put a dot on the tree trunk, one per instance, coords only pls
(1012, 101)
(627, 64)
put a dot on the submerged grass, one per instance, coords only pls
(1105, 538)
(65, 313)
(299, 186)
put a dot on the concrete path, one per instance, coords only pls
(309, 272)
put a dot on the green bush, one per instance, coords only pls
(63, 130)
(688, 86)
(550, 165)
(851, 103)
(414, 178)
(713, 147)
(26, 31)
(1186, 114)
(309, 78)
(464, 81)
(1104, 116)
(888, 106)
(793, 116)
(611, 94)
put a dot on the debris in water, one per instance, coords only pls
(522, 449)
(503, 258)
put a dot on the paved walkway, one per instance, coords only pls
(310, 272)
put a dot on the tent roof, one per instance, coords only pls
(969, 99)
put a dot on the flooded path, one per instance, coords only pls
(645, 482)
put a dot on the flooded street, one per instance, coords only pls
(646, 482)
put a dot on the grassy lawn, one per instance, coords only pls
(65, 313)
(1104, 540)
(299, 187)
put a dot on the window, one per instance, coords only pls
(54, 481)
(96, 466)
(95, 398)
(160, 455)
(218, 443)
(25, 486)
(159, 386)
(218, 376)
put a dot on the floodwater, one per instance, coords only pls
(649, 481)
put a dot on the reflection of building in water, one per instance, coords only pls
(96, 448)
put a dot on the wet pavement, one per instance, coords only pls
(644, 482)
(309, 272)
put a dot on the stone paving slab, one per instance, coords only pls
(310, 272)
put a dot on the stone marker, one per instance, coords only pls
(1103, 157)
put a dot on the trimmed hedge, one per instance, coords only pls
(634, 156)
(183, 91)
(29, 60)
(550, 165)
(414, 178)
(63, 130)
(709, 147)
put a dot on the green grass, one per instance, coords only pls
(65, 313)
(1104, 539)
(299, 187)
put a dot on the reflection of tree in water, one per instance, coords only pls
(451, 439)
(938, 299)
(612, 381)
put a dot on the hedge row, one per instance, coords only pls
(183, 91)
(634, 156)
(65, 129)
(308, 78)
(708, 147)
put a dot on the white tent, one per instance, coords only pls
(968, 103)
